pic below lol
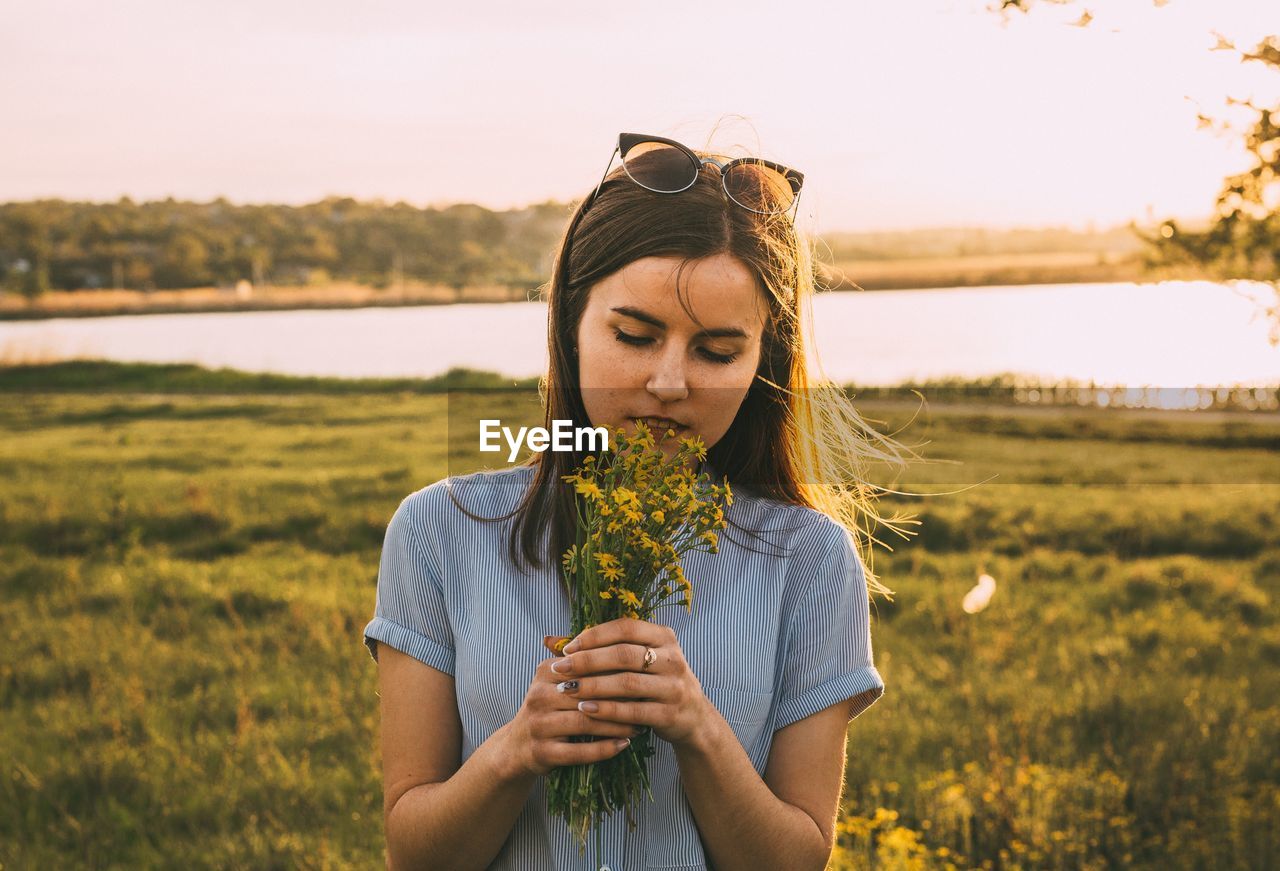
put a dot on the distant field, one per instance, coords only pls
(1062, 267)
(185, 570)
(870, 274)
(91, 303)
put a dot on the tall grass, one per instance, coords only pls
(187, 561)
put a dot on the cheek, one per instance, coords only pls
(727, 404)
(725, 401)
(603, 364)
(603, 375)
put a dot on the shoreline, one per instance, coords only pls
(206, 300)
(47, 314)
(868, 276)
(978, 397)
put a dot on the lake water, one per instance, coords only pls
(1171, 334)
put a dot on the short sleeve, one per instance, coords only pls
(410, 613)
(828, 656)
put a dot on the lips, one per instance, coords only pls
(662, 423)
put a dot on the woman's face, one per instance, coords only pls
(641, 356)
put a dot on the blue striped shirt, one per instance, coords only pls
(773, 637)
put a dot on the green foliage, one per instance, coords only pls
(1243, 241)
(173, 244)
(184, 578)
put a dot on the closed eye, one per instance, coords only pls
(641, 341)
(628, 339)
(724, 359)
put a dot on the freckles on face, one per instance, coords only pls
(641, 355)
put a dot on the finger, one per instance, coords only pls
(563, 724)
(560, 753)
(555, 669)
(624, 629)
(620, 685)
(634, 712)
(616, 657)
(555, 643)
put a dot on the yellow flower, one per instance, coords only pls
(609, 566)
(633, 492)
(684, 584)
(569, 556)
(589, 489)
(625, 496)
(694, 445)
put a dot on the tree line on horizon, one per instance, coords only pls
(59, 245)
(54, 244)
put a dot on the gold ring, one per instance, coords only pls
(650, 657)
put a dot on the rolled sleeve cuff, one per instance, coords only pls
(417, 645)
(864, 686)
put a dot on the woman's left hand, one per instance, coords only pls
(607, 664)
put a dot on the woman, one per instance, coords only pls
(677, 295)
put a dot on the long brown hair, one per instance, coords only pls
(794, 439)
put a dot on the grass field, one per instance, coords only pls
(187, 562)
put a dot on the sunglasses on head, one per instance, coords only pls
(665, 166)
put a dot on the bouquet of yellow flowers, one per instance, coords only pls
(639, 512)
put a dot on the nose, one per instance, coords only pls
(667, 381)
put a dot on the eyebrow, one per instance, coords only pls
(715, 333)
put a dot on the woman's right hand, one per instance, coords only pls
(540, 730)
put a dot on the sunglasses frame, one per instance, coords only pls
(627, 141)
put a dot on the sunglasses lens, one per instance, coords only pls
(660, 167)
(759, 188)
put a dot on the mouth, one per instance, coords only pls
(659, 425)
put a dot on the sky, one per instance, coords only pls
(925, 113)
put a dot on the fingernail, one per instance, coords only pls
(622, 745)
(589, 707)
(572, 646)
(567, 686)
(562, 666)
